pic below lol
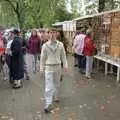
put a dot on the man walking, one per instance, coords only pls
(52, 55)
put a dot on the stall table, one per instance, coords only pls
(109, 61)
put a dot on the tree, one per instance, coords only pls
(62, 14)
(77, 8)
(112, 4)
(7, 16)
(18, 8)
(36, 13)
(74, 6)
(101, 5)
(108, 5)
(55, 11)
(92, 8)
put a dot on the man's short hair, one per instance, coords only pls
(53, 29)
(16, 31)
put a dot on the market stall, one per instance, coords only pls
(106, 35)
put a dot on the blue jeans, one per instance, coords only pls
(89, 64)
(34, 62)
(25, 66)
(81, 61)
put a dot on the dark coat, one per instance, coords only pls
(16, 64)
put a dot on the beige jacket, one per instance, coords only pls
(52, 55)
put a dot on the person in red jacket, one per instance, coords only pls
(34, 49)
(2, 46)
(89, 52)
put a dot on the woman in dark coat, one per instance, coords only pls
(16, 65)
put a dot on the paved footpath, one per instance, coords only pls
(81, 99)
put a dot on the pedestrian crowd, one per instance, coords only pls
(44, 46)
(84, 49)
(48, 47)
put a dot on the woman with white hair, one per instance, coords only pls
(89, 52)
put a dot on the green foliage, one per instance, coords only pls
(39, 13)
(92, 8)
(34, 13)
(76, 8)
(105, 5)
(16, 11)
(61, 14)
(112, 4)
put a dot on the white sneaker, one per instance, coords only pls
(88, 75)
(17, 84)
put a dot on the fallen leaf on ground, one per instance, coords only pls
(85, 105)
(108, 86)
(108, 102)
(112, 97)
(11, 119)
(53, 112)
(81, 106)
(38, 112)
(42, 98)
(4, 117)
(102, 107)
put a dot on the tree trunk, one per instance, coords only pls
(101, 5)
(20, 21)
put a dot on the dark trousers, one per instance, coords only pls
(8, 62)
(81, 61)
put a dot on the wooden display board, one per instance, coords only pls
(115, 35)
(106, 31)
(101, 29)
